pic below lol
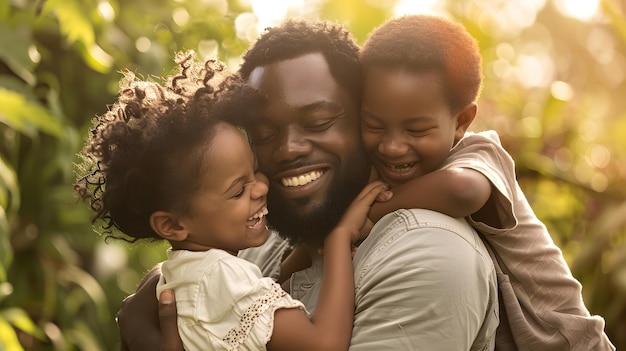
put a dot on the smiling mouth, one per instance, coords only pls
(257, 218)
(402, 168)
(302, 179)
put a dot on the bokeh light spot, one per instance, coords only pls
(599, 155)
(180, 16)
(561, 90)
(406, 7)
(579, 9)
(208, 48)
(532, 127)
(563, 158)
(106, 11)
(143, 44)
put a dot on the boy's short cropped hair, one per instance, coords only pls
(425, 43)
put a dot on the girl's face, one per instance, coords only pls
(228, 211)
(406, 124)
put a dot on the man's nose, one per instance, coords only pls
(293, 144)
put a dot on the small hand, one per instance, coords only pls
(355, 219)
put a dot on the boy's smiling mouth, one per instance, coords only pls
(401, 168)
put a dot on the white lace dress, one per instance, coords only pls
(223, 302)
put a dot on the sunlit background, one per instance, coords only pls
(554, 89)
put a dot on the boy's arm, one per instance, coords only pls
(456, 192)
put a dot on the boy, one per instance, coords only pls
(422, 75)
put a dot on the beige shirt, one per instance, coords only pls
(544, 305)
(423, 281)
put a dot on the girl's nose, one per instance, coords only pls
(261, 185)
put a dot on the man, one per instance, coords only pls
(423, 280)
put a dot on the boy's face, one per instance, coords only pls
(406, 123)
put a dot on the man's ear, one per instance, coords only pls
(464, 119)
(167, 225)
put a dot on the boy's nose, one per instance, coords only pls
(392, 146)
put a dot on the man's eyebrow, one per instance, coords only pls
(321, 105)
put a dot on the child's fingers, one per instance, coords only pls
(371, 191)
(384, 196)
(357, 212)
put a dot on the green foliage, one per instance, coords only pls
(61, 285)
(59, 63)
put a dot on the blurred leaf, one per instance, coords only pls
(73, 21)
(25, 116)
(77, 29)
(82, 279)
(96, 58)
(612, 10)
(20, 319)
(5, 9)
(9, 188)
(6, 252)
(14, 44)
(8, 338)
(17, 85)
(83, 337)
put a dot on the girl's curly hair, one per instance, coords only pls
(146, 153)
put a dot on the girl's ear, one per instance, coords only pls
(166, 224)
(464, 119)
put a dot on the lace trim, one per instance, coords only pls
(238, 335)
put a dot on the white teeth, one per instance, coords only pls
(259, 214)
(259, 218)
(402, 167)
(301, 180)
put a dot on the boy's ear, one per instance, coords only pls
(167, 225)
(464, 119)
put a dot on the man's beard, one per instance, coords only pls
(312, 227)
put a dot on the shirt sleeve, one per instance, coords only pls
(484, 153)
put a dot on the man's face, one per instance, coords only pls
(307, 142)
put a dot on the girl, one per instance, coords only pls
(163, 163)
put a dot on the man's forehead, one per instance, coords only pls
(293, 71)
